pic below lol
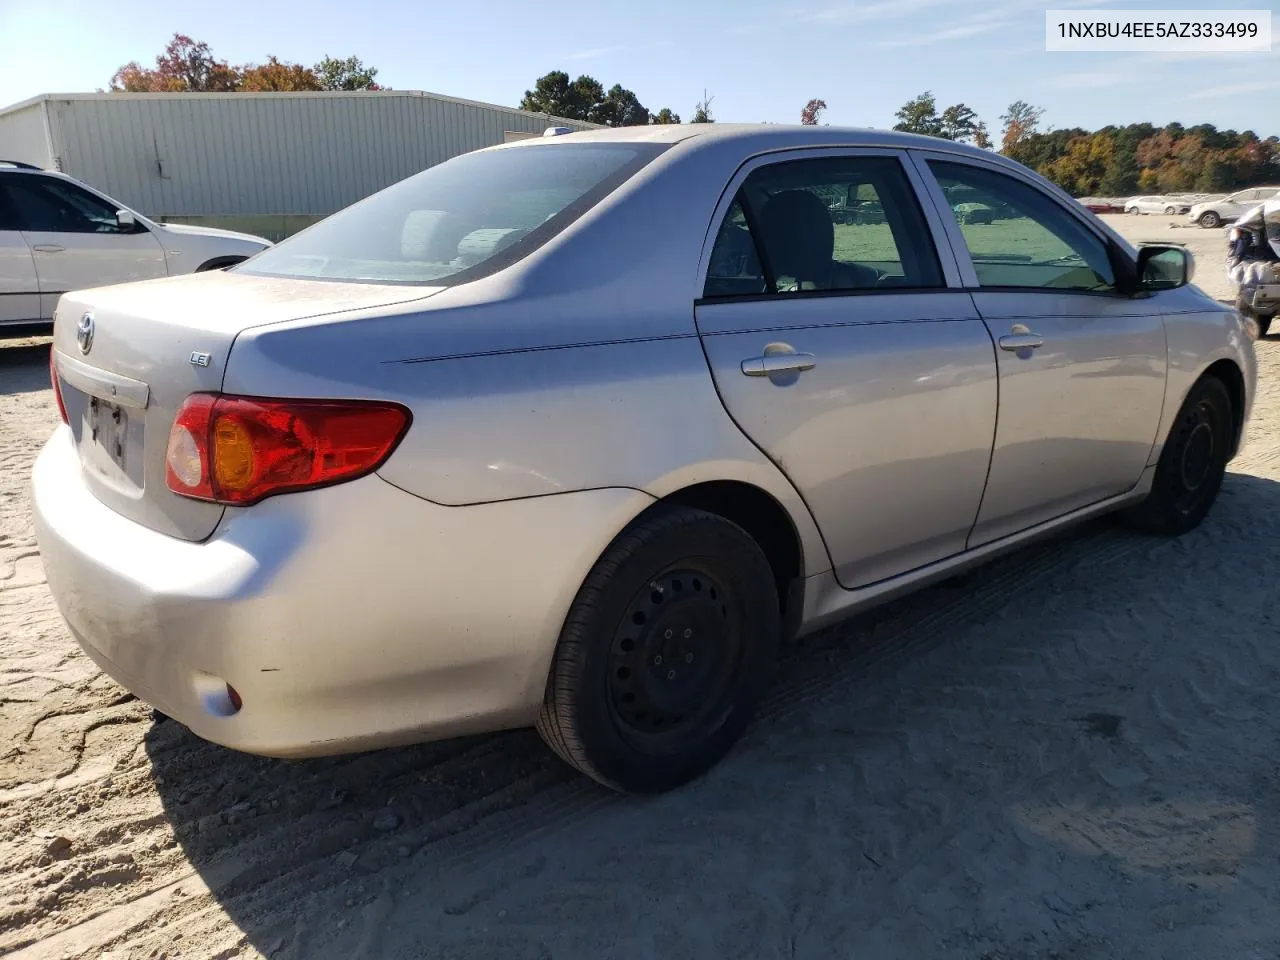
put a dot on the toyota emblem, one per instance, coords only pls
(84, 333)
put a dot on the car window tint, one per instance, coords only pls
(1018, 236)
(839, 224)
(735, 266)
(8, 216)
(48, 205)
(460, 219)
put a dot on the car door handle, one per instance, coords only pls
(1021, 341)
(774, 363)
(48, 248)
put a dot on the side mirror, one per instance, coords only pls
(1163, 267)
(126, 219)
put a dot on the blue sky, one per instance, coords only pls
(760, 61)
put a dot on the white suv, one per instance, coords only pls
(1214, 213)
(57, 234)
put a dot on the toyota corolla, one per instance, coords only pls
(572, 432)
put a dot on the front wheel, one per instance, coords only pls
(1264, 325)
(1209, 220)
(664, 654)
(1192, 464)
(1170, 211)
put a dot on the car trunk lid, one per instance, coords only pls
(127, 356)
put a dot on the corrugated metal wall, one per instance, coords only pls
(252, 154)
(23, 136)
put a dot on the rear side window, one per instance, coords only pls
(835, 224)
(460, 219)
(8, 215)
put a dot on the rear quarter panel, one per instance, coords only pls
(505, 425)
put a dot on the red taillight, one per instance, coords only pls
(237, 450)
(57, 385)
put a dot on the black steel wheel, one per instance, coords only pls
(665, 653)
(1192, 464)
(674, 655)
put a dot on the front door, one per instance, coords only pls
(841, 343)
(1082, 366)
(76, 240)
(19, 288)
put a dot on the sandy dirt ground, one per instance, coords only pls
(1071, 754)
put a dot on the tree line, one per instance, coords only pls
(189, 66)
(586, 99)
(1113, 161)
(1117, 161)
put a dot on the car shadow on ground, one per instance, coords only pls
(1053, 753)
(24, 366)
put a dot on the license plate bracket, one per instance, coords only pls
(107, 429)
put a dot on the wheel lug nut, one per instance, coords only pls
(657, 661)
(667, 635)
(671, 674)
(688, 658)
(687, 633)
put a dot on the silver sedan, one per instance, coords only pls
(572, 432)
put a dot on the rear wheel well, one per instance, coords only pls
(218, 263)
(1233, 380)
(766, 521)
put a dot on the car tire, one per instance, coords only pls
(1209, 220)
(1192, 464)
(664, 654)
(1170, 211)
(1264, 325)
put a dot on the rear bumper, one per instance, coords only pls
(347, 618)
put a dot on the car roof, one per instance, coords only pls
(757, 135)
(28, 170)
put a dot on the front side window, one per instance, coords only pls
(45, 204)
(834, 224)
(1018, 236)
(460, 219)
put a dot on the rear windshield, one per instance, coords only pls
(460, 219)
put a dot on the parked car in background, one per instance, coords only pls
(1169, 206)
(582, 447)
(1214, 213)
(58, 234)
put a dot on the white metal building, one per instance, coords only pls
(269, 163)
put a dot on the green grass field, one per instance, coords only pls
(873, 242)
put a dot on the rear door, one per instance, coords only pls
(1082, 366)
(849, 354)
(19, 288)
(75, 238)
